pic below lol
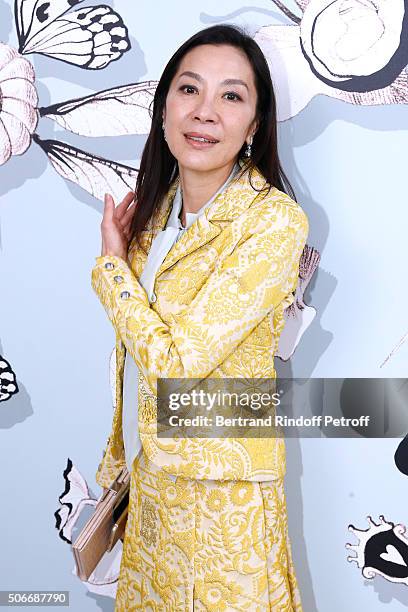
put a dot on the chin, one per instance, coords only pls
(200, 162)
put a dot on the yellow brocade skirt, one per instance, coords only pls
(205, 545)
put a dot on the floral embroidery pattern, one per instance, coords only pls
(148, 528)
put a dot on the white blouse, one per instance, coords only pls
(161, 245)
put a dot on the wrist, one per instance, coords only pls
(108, 253)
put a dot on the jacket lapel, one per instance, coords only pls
(228, 205)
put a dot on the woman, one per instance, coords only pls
(195, 279)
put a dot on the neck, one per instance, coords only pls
(198, 187)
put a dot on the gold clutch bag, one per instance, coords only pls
(106, 525)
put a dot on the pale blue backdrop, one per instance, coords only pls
(348, 167)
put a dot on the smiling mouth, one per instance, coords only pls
(200, 143)
(200, 139)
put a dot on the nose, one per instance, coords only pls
(204, 109)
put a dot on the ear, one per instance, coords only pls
(253, 128)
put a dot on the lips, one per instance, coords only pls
(198, 135)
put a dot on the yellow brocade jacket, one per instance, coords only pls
(221, 292)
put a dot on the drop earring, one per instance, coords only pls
(164, 133)
(248, 150)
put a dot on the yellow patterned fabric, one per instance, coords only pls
(214, 537)
(221, 292)
(205, 545)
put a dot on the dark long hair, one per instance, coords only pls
(158, 166)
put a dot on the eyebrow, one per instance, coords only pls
(194, 75)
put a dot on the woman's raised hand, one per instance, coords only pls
(115, 225)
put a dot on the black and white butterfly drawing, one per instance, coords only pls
(8, 380)
(73, 502)
(114, 112)
(382, 549)
(89, 38)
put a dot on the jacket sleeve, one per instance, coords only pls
(247, 283)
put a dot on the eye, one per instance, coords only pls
(183, 87)
(232, 93)
(186, 87)
(229, 93)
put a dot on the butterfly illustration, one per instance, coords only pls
(382, 550)
(73, 501)
(8, 381)
(89, 38)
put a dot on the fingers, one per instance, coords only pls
(108, 209)
(126, 220)
(114, 238)
(121, 209)
(122, 214)
(128, 215)
(126, 231)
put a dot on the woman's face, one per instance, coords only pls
(200, 100)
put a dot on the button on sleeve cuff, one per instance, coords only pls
(114, 283)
